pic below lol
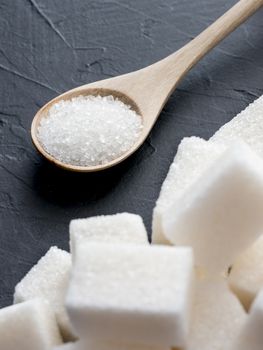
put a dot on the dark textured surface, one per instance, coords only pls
(49, 46)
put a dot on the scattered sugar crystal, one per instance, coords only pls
(194, 156)
(246, 276)
(89, 130)
(48, 280)
(29, 325)
(118, 228)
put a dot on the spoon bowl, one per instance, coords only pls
(147, 90)
(85, 91)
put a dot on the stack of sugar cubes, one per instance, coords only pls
(211, 200)
(108, 293)
(199, 285)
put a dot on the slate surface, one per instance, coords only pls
(49, 46)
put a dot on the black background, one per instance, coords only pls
(49, 46)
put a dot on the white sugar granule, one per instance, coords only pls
(89, 130)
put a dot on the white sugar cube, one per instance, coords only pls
(48, 279)
(247, 126)
(246, 276)
(217, 316)
(193, 157)
(29, 325)
(118, 228)
(132, 293)
(251, 335)
(221, 213)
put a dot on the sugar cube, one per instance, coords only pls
(48, 279)
(247, 126)
(118, 228)
(217, 316)
(29, 325)
(251, 335)
(132, 293)
(246, 276)
(221, 213)
(194, 155)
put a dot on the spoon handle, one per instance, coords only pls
(175, 66)
(217, 31)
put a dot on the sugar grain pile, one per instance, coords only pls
(89, 130)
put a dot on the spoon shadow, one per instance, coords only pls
(66, 188)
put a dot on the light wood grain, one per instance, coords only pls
(148, 89)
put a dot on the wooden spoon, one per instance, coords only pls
(148, 89)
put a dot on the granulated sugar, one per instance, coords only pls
(89, 130)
